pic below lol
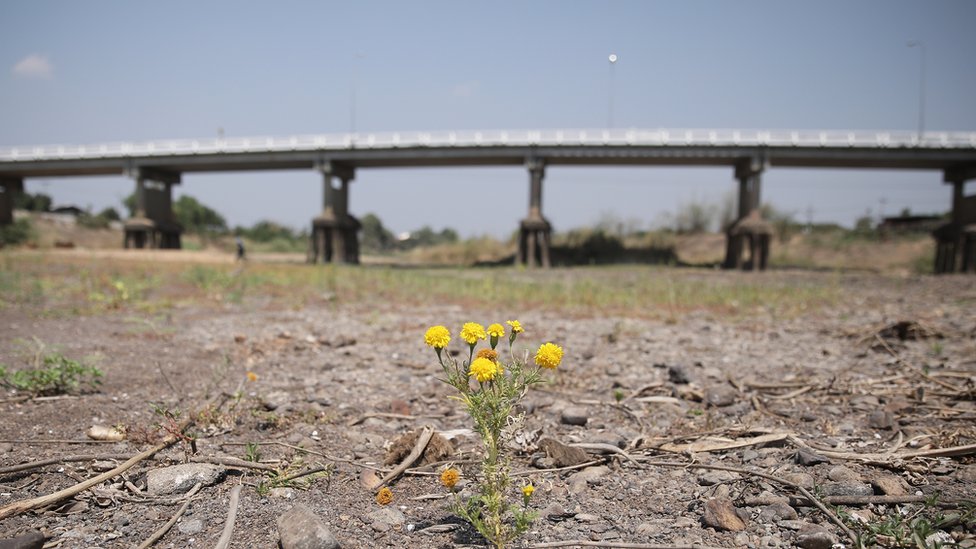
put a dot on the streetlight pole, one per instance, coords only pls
(613, 62)
(921, 86)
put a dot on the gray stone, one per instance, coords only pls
(890, 485)
(776, 512)
(711, 478)
(720, 395)
(749, 455)
(300, 528)
(31, 540)
(843, 474)
(881, 420)
(553, 511)
(848, 489)
(192, 526)
(678, 374)
(809, 457)
(791, 524)
(178, 479)
(578, 481)
(649, 529)
(813, 536)
(586, 517)
(386, 518)
(574, 416)
(800, 479)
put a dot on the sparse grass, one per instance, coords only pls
(923, 526)
(64, 285)
(54, 375)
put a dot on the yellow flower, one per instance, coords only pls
(490, 354)
(483, 369)
(496, 330)
(472, 332)
(549, 355)
(516, 326)
(384, 496)
(527, 490)
(450, 477)
(437, 337)
(251, 376)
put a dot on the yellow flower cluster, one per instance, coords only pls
(472, 332)
(496, 330)
(450, 477)
(484, 369)
(527, 490)
(549, 355)
(516, 326)
(384, 496)
(437, 337)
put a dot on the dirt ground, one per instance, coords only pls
(838, 401)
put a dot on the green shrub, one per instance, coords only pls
(60, 376)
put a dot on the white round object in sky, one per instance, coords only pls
(613, 58)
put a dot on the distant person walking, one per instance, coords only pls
(240, 250)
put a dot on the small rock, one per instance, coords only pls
(721, 395)
(553, 511)
(683, 522)
(720, 514)
(776, 512)
(385, 519)
(890, 485)
(800, 479)
(31, 540)
(813, 536)
(574, 416)
(940, 538)
(881, 419)
(743, 539)
(300, 528)
(648, 529)
(192, 526)
(711, 478)
(843, 474)
(848, 489)
(178, 479)
(578, 481)
(6, 447)
(749, 455)
(809, 457)
(678, 374)
(586, 517)
(368, 479)
(967, 474)
(282, 493)
(561, 454)
(792, 524)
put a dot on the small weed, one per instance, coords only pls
(252, 452)
(618, 395)
(60, 375)
(292, 477)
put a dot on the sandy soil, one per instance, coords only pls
(337, 383)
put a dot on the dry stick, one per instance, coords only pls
(558, 469)
(886, 500)
(301, 474)
(389, 415)
(233, 462)
(588, 543)
(59, 460)
(169, 524)
(307, 451)
(22, 506)
(418, 449)
(833, 518)
(604, 448)
(55, 441)
(235, 498)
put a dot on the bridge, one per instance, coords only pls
(157, 165)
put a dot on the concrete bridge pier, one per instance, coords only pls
(153, 224)
(955, 241)
(535, 231)
(335, 233)
(750, 233)
(9, 187)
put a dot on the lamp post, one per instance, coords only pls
(921, 86)
(613, 61)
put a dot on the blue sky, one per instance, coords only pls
(88, 72)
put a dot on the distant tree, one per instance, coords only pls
(198, 218)
(130, 204)
(37, 202)
(375, 237)
(694, 217)
(110, 214)
(266, 231)
(448, 235)
(864, 224)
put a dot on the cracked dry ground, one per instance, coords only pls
(821, 397)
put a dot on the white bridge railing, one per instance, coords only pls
(498, 138)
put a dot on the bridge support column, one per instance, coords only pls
(535, 231)
(749, 233)
(335, 233)
(955, 241)
(9, 187)
(153, 224)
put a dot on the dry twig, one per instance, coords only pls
(235, 498)
(169, 524)
(418, 450)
